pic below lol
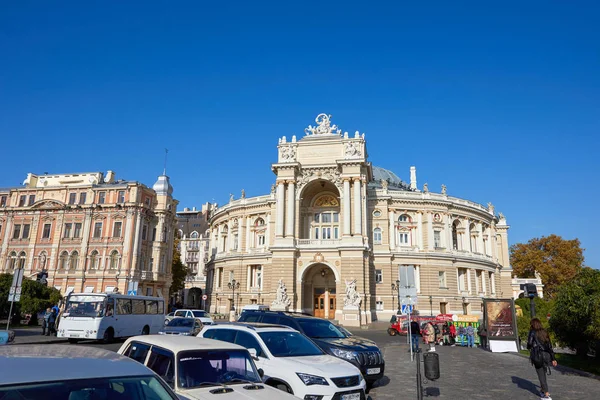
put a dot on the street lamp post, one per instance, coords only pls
(431, 305)
(233, 285)
(396, 288)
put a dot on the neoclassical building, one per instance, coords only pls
(90, 232)
(330, 237)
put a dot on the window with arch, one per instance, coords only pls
(377, 236)
(63, 262)
(259, 222)
(325, 223)
(260, 229)
(404, 233)
(455, 226)
(404, 218)
(224, 234)
(94, 260)
(12, 261)
(404, 237)
(194, 235)
(74, 260)
(114, 260)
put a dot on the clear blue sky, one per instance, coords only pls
(499, 102)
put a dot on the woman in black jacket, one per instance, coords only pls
(541, 354)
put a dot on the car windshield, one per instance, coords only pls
(217, 367)
(139, 387)
(85, 306)
(199, 314)
(289, 344)
(182, 322)
(320, 329)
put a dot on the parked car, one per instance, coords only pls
(362, 353)
(41, 372)
(292, 362)
(182, 327)
(201, 368)
(200, 315)
(255, 307)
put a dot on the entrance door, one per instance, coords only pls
(319, 306)
(332, 305)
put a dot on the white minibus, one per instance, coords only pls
(110, 315)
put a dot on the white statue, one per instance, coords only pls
(384, 184)
(43, 261)
(243, 194)
(426, 188)
(352, 150)
(352, 295)
(444, 190)
(491, 207)
(282, 299)
(323, 127)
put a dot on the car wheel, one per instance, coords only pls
(282, 386)
(392, 332)
(146, 330)
(109, 335)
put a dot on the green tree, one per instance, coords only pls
(557, 260)
(576, 316)
(35, 297)
(178, 270)
(543, 308)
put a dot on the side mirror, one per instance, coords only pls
(261, 373)
(253, 354)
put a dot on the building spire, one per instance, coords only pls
(165, 169)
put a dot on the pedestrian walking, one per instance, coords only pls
(482, 333)
(430, 336)
(470, 331)
(415, 335)
(44, 323)
(541, 354)
(49, 318)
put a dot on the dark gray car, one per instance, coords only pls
(182, 326)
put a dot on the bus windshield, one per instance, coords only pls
(85, 306)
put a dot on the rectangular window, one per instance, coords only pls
(26, 231)
(101, 197)
(138, 306)
(77, 231)
(443, 308)
(437, 240)
(117, 229)
(461, 279)
(336, 232)
(17, 232)
(379, 305)
(317, 217)
(326, 217)
(3, 201)
(46, 231)
(72, 198)
(31, 199)
(336, 217)
(219, 277)
(151, 264)
(261, 240)
(316, 233)
(256, 276)
(235, 242)
(98, 230)
(442, 279)
(378, 276)
(121, 196)
(123, 306)
(22, 200)
(67, 233)
(82, 198)
(403, 238)
(377, 236)
(144, 232)
(154, 234)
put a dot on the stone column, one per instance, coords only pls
(430, 231)
(418, 278)
(290, 213)
(420, 230)
(466, 239)
(357, 208)
(469, 286)
(480, 247)
(493, 282)
(280, 209)
(392, 231)
(346, 205)
(483, 284)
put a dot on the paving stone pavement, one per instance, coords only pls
(476, 374)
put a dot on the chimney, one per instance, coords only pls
(413, 177)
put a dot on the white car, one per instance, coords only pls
(292, 362)
(200, 315)
(201, 368)
(41, 372)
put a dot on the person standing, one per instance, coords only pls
(49, 319)
(446, 334)
(541, 354)
(452, 334)
(44, 323)
(470, 335)
(430, 332)
(482, 333)
(415, 335)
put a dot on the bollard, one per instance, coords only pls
(431, 365)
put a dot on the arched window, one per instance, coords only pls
(94, 260)
(224, 233)
(377, 236)
(74, 260)
(259, 222)
(455, 226)
(404, 218)
(114, 260)
(12, 262)
(404, 230)
(64, 260)
(194, 235)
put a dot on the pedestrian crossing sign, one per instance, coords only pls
(406, 309)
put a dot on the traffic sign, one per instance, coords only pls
(132, 293)
(204, 297)
(406, 309)
(14, 297)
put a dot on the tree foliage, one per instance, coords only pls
(35, 297)
(557, 260)
(543, 308)
(576, 316)
(178, 270)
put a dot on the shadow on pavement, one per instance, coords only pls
(526, 385)
(382, 382)
(432, 392)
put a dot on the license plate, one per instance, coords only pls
(72, 335)
(351, 396)
(373, 371)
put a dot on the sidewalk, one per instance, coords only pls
(33, 335)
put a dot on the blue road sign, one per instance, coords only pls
(406, 309)
(132, 293)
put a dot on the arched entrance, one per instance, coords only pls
(319, 296)
(194, 298)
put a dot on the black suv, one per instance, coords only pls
(363, 353)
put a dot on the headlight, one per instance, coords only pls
(186, 333)
(312, 379)
(161, 332)
(345, 354)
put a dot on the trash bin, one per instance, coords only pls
(431, 364)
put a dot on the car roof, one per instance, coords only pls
(183, 343)
(54, 362)
(285, 314)
(254, 326)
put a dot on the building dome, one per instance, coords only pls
(382, 174)
(163, 186)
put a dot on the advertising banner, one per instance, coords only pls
(501, 324)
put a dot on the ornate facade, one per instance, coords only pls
(334, 231)
(89, 232)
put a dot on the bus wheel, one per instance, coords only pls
(392, 332)
(73, 341)
(109, 335)
(146, 330)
